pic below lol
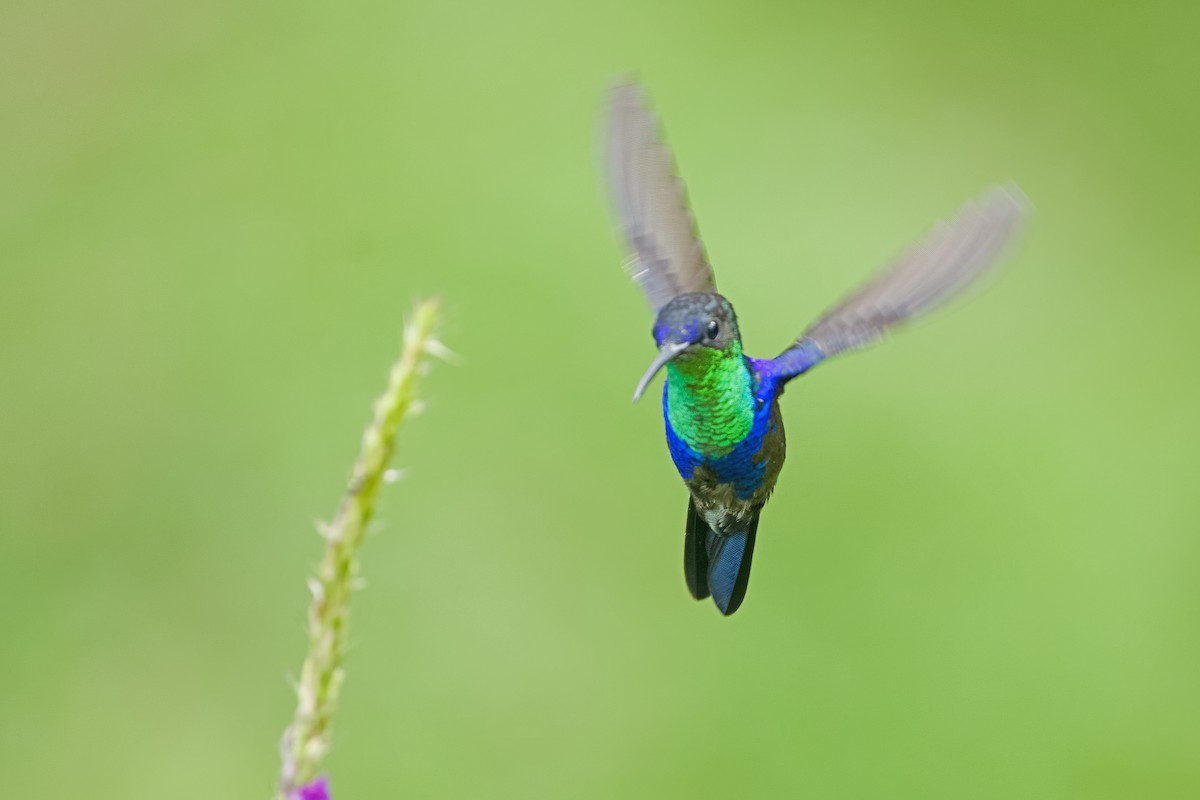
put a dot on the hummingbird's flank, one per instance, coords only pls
(724, 428)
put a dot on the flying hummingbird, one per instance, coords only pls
(724, 428)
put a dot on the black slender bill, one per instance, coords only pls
(665, 354)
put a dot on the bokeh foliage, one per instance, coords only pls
(979, 577)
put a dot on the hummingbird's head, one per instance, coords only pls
(686, 326)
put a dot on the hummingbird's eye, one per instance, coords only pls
(713, 329)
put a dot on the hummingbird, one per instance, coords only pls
(721, 407)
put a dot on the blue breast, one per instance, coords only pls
(737, 466)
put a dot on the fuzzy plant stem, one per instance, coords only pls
(306, 740)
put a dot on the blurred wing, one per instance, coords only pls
(929, 274)
(666, 256)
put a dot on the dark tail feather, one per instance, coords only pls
(695, 553)
(729, 560)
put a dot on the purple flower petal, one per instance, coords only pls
(316, 790)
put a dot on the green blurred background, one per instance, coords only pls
(980, 576)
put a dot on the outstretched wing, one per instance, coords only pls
(926, 276)
(666, 256)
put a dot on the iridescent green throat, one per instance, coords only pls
(710, 398)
